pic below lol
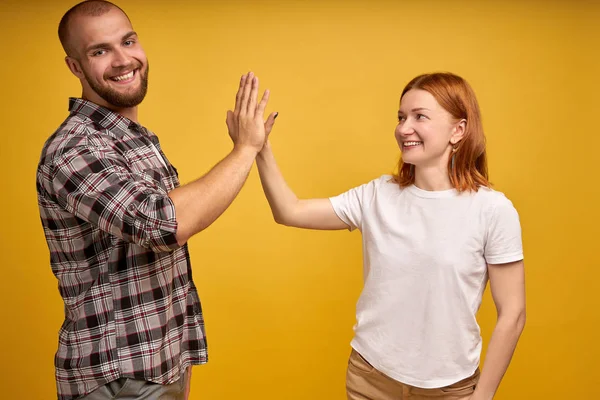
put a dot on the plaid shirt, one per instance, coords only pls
(131, 308)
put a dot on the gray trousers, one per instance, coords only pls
(131, 389)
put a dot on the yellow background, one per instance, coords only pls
(279, 302)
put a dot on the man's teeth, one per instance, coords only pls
(412, 143)
(123, 77)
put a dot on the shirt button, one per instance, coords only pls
(131, 207)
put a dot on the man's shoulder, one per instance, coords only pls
(76, 131)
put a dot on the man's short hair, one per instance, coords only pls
(88, 8)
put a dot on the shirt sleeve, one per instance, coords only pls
(350, 206)
(503, 242)
(96, 185)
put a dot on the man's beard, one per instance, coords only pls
(119, 100)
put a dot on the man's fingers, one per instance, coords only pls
(246, 93)
(253, 96)
(238, 96)
(260, 110)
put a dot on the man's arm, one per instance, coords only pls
(95, 184)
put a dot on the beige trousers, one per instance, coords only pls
(363, 382)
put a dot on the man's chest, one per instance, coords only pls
(144, 159)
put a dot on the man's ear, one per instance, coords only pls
(74, 67)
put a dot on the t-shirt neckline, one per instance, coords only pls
(431, 194)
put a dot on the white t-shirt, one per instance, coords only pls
(425, 271)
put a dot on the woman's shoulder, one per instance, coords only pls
(492, 199)
(387, 183)
(382, 181)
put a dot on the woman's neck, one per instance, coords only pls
(433, 178)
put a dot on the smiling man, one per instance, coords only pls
(117, 221)
(117, 81)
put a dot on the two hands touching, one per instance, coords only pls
(247, 128)
(199, 203)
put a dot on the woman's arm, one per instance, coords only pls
(507, 283)
(287, 209)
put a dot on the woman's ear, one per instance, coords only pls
(459, 131)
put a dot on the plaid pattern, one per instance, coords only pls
(131, 308)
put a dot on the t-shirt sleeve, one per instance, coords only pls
(350, 206)
(503, 242)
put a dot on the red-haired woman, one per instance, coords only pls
(432, 235)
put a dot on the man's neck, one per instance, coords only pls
(128, 112)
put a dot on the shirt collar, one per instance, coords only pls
(104, 117)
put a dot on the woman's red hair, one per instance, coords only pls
(456, 96)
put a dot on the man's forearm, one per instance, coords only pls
(199, 203)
